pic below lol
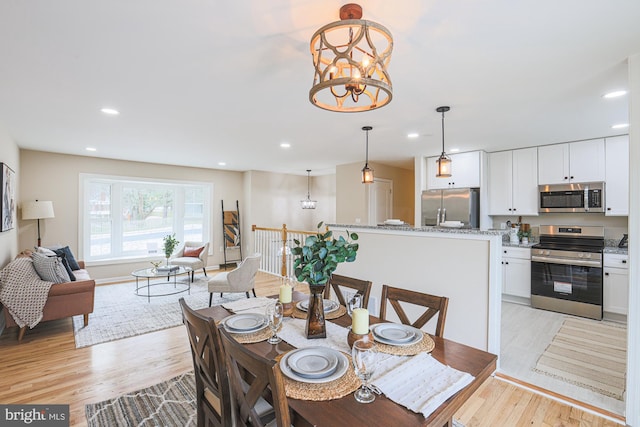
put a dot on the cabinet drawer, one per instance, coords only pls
(512, 252)
(616, 261)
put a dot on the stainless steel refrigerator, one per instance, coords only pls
(460, 204)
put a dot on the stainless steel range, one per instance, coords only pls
(566, 270)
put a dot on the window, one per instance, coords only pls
(124, 218)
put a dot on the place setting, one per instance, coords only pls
(332, 309)
(256, 327)
(400, 339)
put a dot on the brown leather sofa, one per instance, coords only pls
(65, 300)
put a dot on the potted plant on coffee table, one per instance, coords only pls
(170, 243)
(316, 259)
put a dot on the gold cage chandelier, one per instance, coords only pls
(350, 58)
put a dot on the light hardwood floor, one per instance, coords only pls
(46, 368)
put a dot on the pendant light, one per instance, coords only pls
(367, 172)
(444, 161)
(308, 203)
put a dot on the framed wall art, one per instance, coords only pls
(8, 195)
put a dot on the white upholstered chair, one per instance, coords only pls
(241, 279)
(186, 257)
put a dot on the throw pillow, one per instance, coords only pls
(50, 269)
(193, 252)
(45, 251)
(69, 257)
(65, 263)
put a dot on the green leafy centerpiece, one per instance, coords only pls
(170, 243)
(315, 261)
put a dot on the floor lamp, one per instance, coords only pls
(38, 210)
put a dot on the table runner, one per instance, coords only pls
(430, 382)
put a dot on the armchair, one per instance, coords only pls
(241, 279)
(193, 257)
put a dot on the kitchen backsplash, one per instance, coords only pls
(614, 226)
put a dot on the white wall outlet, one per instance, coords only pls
(221, 249)
(358, 220)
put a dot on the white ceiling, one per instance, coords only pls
(200, 82)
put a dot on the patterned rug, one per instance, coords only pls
(588, 355)
(170, 403)
(119, 313)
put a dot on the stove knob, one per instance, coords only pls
(580, 255)
(547, 253)
(588, 255)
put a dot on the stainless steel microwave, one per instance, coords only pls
(584, 197)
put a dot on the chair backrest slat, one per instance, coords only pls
(434, 305)
(362, 287)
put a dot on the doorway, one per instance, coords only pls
(380, 201)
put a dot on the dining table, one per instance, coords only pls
(346, 411)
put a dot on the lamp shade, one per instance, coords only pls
(38, 210)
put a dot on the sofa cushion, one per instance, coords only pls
(73, 264)
(50, 269)
(192, 252)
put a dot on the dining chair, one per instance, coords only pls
(241, 279)
(213, 392)
(252, 377)
(434, 304)
(362, 287)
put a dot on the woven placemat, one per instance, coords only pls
(335, 389)
(258, 336)
(299, 314)
(425, 345)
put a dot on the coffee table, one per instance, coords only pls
(152, 273)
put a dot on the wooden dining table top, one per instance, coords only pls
(383, 411)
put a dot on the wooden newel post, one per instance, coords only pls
(283, 268)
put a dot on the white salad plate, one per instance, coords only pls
(396, 334)
(313, 362)
(341, 366)
(245, 323)
(328, 305)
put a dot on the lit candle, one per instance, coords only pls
(360, 323)
(285, 293)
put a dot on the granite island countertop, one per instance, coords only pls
(427, 229)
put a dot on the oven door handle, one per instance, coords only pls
(579, 262)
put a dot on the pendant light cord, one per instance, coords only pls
(443, 132)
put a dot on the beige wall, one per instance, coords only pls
(351, 194)
(266, 199)
(10, 155)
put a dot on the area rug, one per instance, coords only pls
(170, 403)
(119, 313)
(588, 354)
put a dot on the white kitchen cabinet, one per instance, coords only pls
(516, 272)
(465, 172)
(582, 161)
(513, 182)
(617, 176)
(615, 290)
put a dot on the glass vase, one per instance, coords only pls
(316, 327)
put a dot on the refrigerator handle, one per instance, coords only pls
(444, 215)
(438, 217)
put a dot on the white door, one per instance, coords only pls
(380, 201)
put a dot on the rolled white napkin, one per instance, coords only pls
(249, 305)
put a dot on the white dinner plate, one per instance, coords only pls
(313, 362)
(329, 305)
(384, 333)
(245, 323)
(341, 369)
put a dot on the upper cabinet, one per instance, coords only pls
(465, 172)
(617, 176)
(513, 182)
(582, 161)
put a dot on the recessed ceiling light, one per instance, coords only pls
(91, 149)
(615, 94)
(110, 111)
(454, 150)
(620, 126)
(285, 145)
(413, 135)
(222, 164)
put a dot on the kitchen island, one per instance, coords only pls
(462, 264)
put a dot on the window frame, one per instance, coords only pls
(84, 223)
